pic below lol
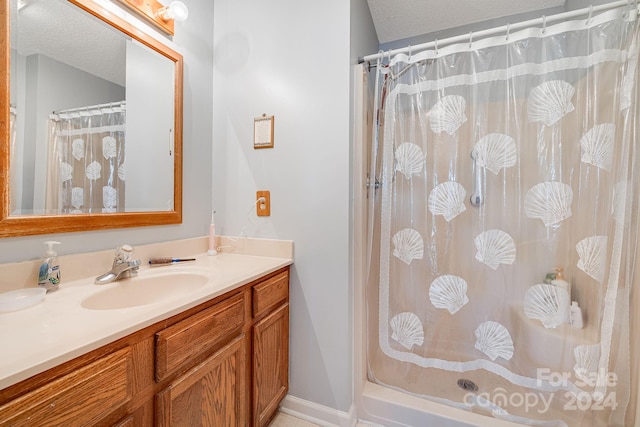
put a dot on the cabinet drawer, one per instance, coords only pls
(83, 397)
(269, 293)
(178, 343)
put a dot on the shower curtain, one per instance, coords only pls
(86, 160)
(505, 217)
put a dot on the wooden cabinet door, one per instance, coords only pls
(270, 364)
(85, 397)
(213, 393)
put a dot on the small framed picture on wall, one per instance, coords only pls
(263, 132)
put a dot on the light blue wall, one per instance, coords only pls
(291, 60)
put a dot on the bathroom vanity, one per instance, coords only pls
(218, 362)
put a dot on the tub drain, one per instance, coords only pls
(467, 385)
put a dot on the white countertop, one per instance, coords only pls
(60, 329)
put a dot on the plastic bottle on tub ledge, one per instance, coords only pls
(560, 282)
(575, 316)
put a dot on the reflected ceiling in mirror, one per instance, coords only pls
(91, 123)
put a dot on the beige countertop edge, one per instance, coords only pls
(60, 329)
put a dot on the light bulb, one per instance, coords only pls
(176, 10)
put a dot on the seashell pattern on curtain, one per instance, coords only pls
(549, 119)
(86, 166)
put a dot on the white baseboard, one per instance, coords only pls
(317, 414)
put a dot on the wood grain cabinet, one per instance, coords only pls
(179, 344)
(270, 347)
(222, 363)
(212, 393)
(86, 396)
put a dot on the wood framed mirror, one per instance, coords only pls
(65, 165)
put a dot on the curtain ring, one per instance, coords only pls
(590, 15)
(389, 58)
(436, 46)
(507, 38)
(470, 39)
(544, 24)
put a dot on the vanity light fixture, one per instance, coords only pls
(176, 10)
(161, 16)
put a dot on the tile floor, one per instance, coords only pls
(285, 420)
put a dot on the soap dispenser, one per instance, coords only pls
(49, 271)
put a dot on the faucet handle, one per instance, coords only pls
(123, 254)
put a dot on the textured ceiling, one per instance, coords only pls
(63, 32)
(401, 19)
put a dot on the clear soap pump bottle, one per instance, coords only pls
(49, 271)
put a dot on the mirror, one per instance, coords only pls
(90, 121)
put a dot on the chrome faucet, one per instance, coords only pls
(123, 266)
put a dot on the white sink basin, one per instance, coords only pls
(147, 288)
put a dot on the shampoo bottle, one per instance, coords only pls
(560, 282)
(575, 316)
(49, 271)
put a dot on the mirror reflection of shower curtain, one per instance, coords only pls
(463, 291)
(86, 161)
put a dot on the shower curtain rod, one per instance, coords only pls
(544, 20)
(90, 110)
(92, 107)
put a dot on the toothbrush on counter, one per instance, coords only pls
(168, 260)
(212, 236)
